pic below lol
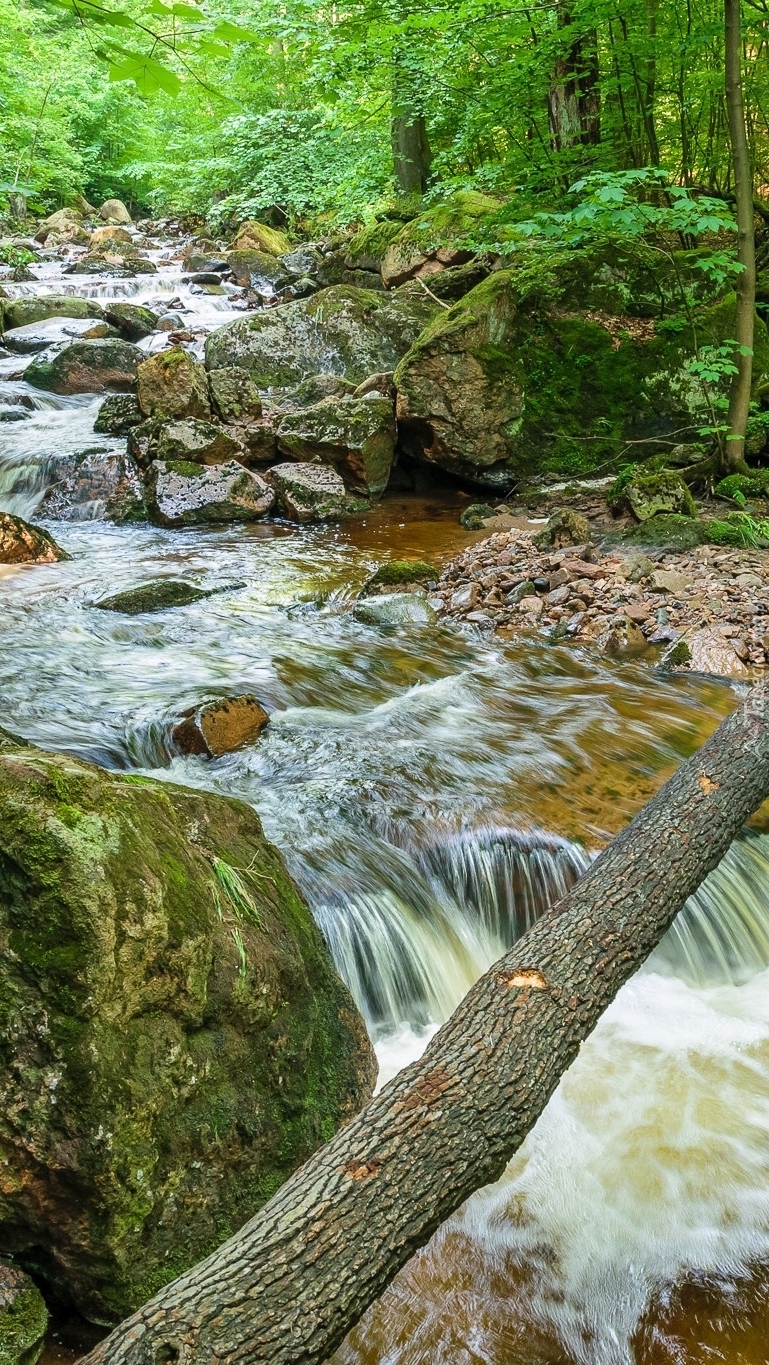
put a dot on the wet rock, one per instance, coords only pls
(170, 322)
(142, 439)
(159, 595)
(312, 492)
(341, 330)
(220, 727)
(475, 516)
(175, 1037)
(377, 383)
(565, 527)
(234, 395)
(22, 543)
(22, 312)
(23, 1318)
(622, 637)
(313, 390)
(38, 336)
(86, 367)
(103, 235)
(711, 652)
(132, 319)
(355, 435)
(396, 609)
(122, 266)
(118, 414)
(648, 495)
(399, 572)
(173, 384)
(179, 493)
(255, 236)
(115, 211)
(104, 486)
(201, 442)
(253, 269)
(302, 261)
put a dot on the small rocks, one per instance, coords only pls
(23, 1318)
(220, 727)
(22, 543)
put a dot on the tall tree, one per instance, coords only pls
(412, 155)
(733, 454)
(574, 102)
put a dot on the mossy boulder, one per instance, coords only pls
(256, 269)
(355, 435)
(736, 486)
(201, 442)
(260, 237)
(311, 493)
(399, 572)
(22, 312)
(132, 319)
(118, 414)
(172, 384)
(367, 248)
(503, 386)
(438, 237)
(340, 330)
(23, 1318)
(86, 367)
(182, 493)
(159, 595)
(234, 395)
(174, 1038)
(650, 494)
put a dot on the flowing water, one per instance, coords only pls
(432, 792)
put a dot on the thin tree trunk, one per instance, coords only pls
(733, 453)
(287, 1288)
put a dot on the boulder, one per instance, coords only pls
(438, 237)
(115, 211)
(502, 386)
(399, 572)
(175, 1039)
(21, 543)
(23, 1318)
(118, 414)
(312, 492)
(219, 727)
(313, 390)
(173, 384)
(101, 236)
(118, 263)
(22, 312)
(648, 494)
(86, 367)
(565, 527)
(259, 237)
(203, 254)
(341, 330)
(201, 442)
(38, 336)
(475, 517)
(132, 319)
(366, 249)
(259, 442)
(180, 493)
(158, 595)
(234, 395)
(63, 220)
(256, 270)
(396, 609)
(709, 652)
(355, 435)
(104, 486)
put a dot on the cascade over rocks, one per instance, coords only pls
(355, 435)
(180, 493)
(22, 543)
(103, 485)
(172, 384)
(86, 367)
(340, 330)
(166, 985)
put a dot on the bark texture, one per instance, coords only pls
(739, 396)
(287, 1288)
(574, 102)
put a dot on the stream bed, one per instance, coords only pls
(433, 791)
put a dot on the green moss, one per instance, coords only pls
(677, 656)
(368, 246)
(403, 571)
(155, 596)
(23, 1326)
(755, 485)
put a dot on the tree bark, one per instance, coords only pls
(574, 101)
(733, 452)
(411, 153)
(287, 1288)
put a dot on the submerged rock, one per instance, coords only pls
(341, 330)
(104, 485)
(179, 493)
(23, 1318)
(395, 609)
(219, 727)
(86, 367)
(175, 1040)
(312, 492)
(158, 595)
(22, 543)
(172, 384)
(355, 435)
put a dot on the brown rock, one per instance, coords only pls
(21, 543)
(638, 612)
(220, 726)
(173, 384)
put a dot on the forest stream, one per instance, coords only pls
(432, 790)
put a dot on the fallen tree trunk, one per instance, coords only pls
(288, 1287)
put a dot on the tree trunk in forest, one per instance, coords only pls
(287, 1288)
(411, 153)
(574, 102)
(733, 450)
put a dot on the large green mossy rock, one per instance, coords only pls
(86, 367)
(366, 249)
(23, 1318)
(355, 435)
(504, 385)
(442, 233)
(174, 1039)
(22, 312)
(340, 330)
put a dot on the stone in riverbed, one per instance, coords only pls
(38, 336)
(397, 572)
(158, 595)
(111, 233)
(220, 727)
(234, 395)
(355, 435)
(173, 384)
(622, 637)
(255, 236)
(132, 319)
(104, 486)
(201, 442)
(257, 270)
(565, 527)
(23, 1318)
(121, 266)
(312, 492)
(22, 312)
(165, 984)
(118, 414)
(649, 495)
(86, 367)
(115, 211)
(396, 609)
(179, 493)
(22, 543)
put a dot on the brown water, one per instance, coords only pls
(432, 790)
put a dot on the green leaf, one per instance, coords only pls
(147, 75)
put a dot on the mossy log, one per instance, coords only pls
(288, 1287)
